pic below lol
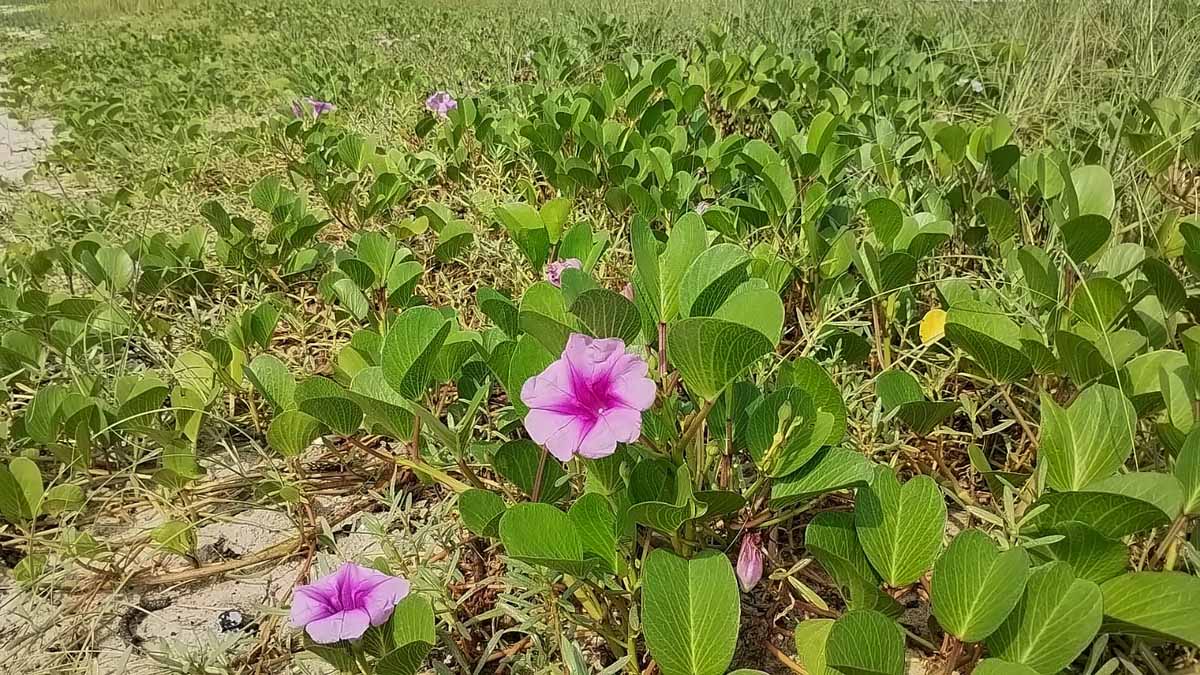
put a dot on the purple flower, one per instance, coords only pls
(555, 269)
(440, 103)
(588, 400)
(750, 562)
(320, 107)
(341, 605)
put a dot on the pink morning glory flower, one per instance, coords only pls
(750, 562)
(320, 107)
(440, 103)
(555, 269)
(340, 606)
(588, 400)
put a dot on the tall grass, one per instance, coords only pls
(95, 10)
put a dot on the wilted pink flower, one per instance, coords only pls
(555, 269)
(750, 562)
(627, 291)
(341, 605)
(320, 107)
(588, 400)
(702, 207)
(440, 103)
(299, 108)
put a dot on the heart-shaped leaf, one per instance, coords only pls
(831, 539)
(481, 511)
(325, 400)
(865, 642)
(527, 230)
(1091, 555)
(900, 527)
(812, 635)
(597, 527)
(711, 278)
(606, 314)
(990, 338)
(384, 409)
(808, 375)
(518, 462)
(1157, 605)
(1078, 450)
(975, 586)
(291, 432)
(272, 379)
(540, 534)
(832, 469)
(1187, 470)
(711, 353)
(691, 612)
(1115, 507)
(1084, 236)
(410, 348)
(1053, 623)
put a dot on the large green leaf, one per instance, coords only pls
(540, 534)
(990, 338)
(1187, 470)
(886, 219)
(1157, 605)
(662, 497)
(596, 524)
(711, 278)
(832, 469)
(691, 612)
(518, 462)
(1080, 450)
(606, 314)
(1085, 235)
(755, 305)
(1115, 507)
(544, 315)
(410, 348)
(832, 541)
(784, 431)
(273, 380)
(291, 432)
(1053, 623)
(865, 642)
(975, 586)
(410, 634)
(812, 635)
(900, 527)
(1091, 555)
(808, 375)
(1001, 667)
(325, 400)
(711, 353)
(898, 390)
(481, 511)
(525, 226)
(385, 410)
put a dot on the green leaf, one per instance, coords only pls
(597, 527)
(325, 400)
(518, 462)
(176, 536)
(385, 410)
(1053, 623)
(1078, 450)
(812, 636)
(756, 306)
(711, 278)
(544, 315)
(64, 498)
(1041, 275)
(272, 379)
(808, 375)
(44, 415)
(454, 238)
(606, 314)
(784, 431)
(886, 219)
(554, 215)
(117, 267)
(29, 478)
(1093, 190)
(990, 338)
(13, 505)
(832, 469)
(865, 642)
(1084, 236)
(540, 534)
(711, 353)
(411, 632)
(1187, 470)
(832, 541)
(662, 496)
(500, 309)
(1091, 555)
(481, 511)
(691, 612)
(899, 390)
(291, 432)
(1000, 217)
(1001, 667)
(900, 527)
(410, 348)
(1157, 605)
(527, 230)
(1115, 507)
(975, 586)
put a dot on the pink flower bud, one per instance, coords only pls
(627, 291)
(750, 562)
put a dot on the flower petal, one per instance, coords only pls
(549, 389)
(630, 384)
(611, 426)
(341, 626)
(308, 604)
(381, 599)
(560, 433)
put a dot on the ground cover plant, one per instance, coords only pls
(645, 338)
